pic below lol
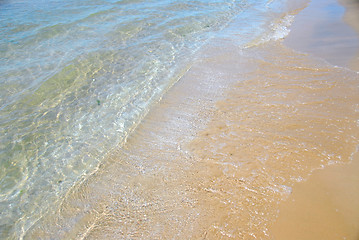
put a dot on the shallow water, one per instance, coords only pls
(77, 77)
(282, 120)
(214, 161)
(247, 119)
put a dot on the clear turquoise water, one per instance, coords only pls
(78, 76)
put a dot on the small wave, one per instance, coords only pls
(277, 30)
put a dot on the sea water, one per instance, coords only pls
(77, 78)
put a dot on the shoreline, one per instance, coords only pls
(351, 17)
(219, 152)
(326, 29)
(325, 206)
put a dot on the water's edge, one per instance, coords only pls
(228, 126)
(226, 149)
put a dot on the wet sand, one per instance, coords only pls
(326, 206)
(218, 155)
(352, 18)
(351, 14)
(277, 125)
(320, 31)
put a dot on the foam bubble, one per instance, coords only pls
(278, 29)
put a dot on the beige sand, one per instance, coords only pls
(324, 207)
(220, 152)
(327, 205)
(277, 125)
(320, 30)
(199, 168)
(352, 18)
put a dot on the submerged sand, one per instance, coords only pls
(327, 205)
(225, 151)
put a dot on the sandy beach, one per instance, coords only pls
(351, 17)
(328, 30)
(253, 142)
(323, 207)
(326, 205)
